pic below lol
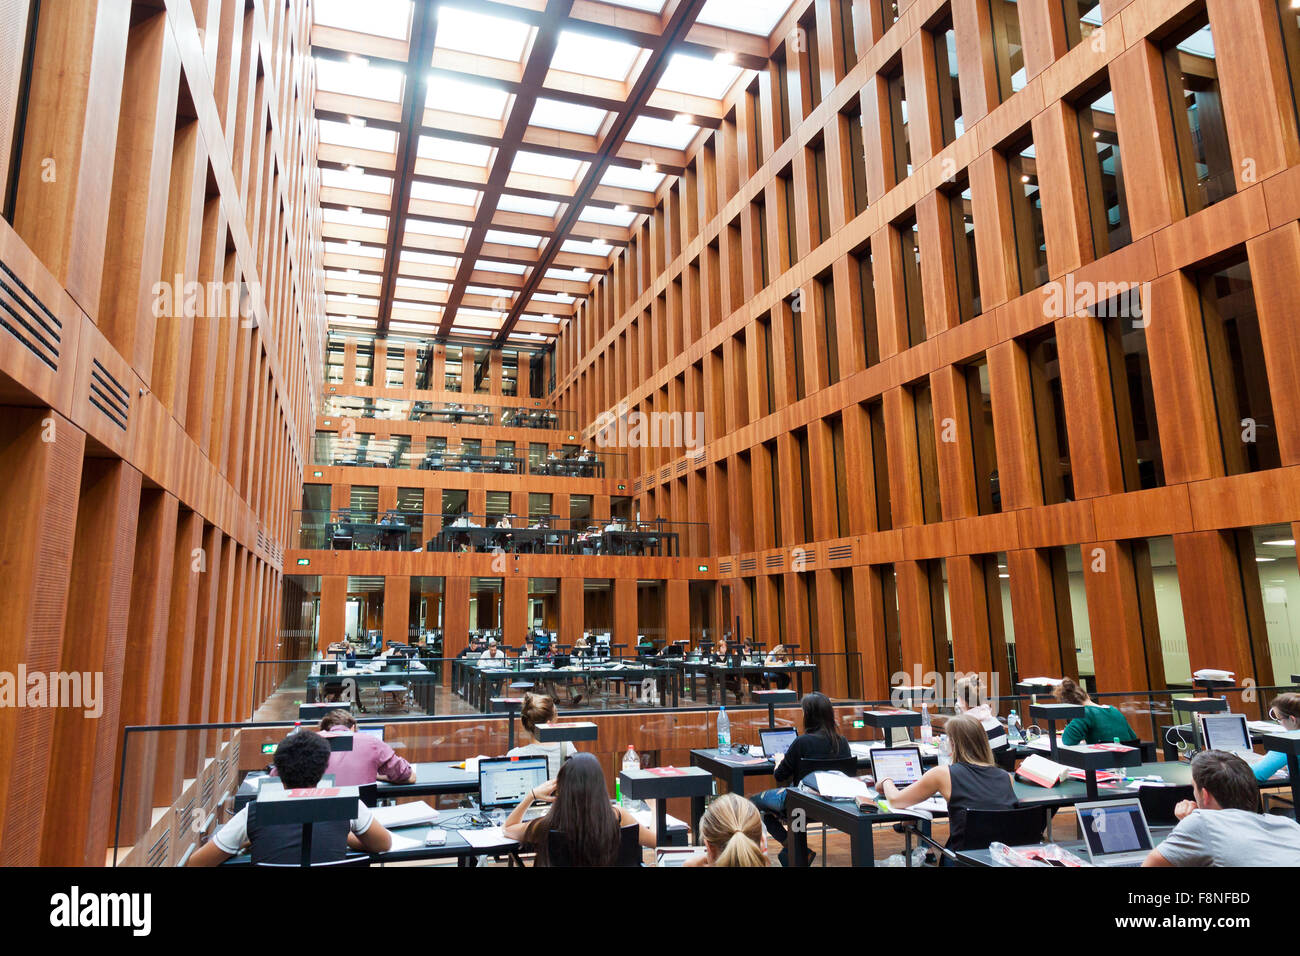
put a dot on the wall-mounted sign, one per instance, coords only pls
(702, 567)
(304, 561)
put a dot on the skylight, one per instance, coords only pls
(570, 117)
(460, 96)
(628, 178)
(654, 6)
(367, 219)
(512, 238)
(427, 228)
(385, 18)
(695, 74)
(357, 79)
(611, 216)
(594, 56)
(435, 192)
(358, 137)
(453, 151)
(657, 132)
(540, 164)
(535, 207)
(342, 179)
(747, 16)
(480, 34)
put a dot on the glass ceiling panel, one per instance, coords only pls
(346, 179)
(360, 79)
(427, 228)
(555, 114)
(385, 18)
(453, 151)
(657, 132)
(460, 96)
(613, 217)
(359, 137)
(628, 178)
(654, 6)
(539, 164)
(748, 16)
(594, 56)
(481, 34)
(535, 207)
(512, 238)
(436, 192)
(695, 74)
(349, 218)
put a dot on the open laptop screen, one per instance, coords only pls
(777, 741)
(503, 783)
(1116, 826)
(1225, 732)
(899, 764)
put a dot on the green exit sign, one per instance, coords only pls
(304, 561)
(317, 474)
(702, 567)
(858, 724)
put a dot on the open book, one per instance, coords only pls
(405, 814)
(836, 786)
(926, 809)
(1038, 769)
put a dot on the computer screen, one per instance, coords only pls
(899, 764)
(1225, 732)
(374, 731)
(503, 783)
(329, 668)
(776, 741)
(1114, 827)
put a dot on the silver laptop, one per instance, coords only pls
(1228, 732)
(777, 742)
(503, 782)
(899, 764)
(1115, 832)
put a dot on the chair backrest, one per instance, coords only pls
(845, 765)
(1158, 803)
(347, 862)
(369, 794)
(629, 847)
(1017, 827)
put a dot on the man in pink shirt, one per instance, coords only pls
(369, 760)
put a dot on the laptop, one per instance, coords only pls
(777, 742)
(1228, 732)
(373, 731)
(1115, 832)
(504, 781)
(899, 764)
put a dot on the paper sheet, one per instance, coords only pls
(487, 837)
(401, 842)
(405, 814)
(647, 819)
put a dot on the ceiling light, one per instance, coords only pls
(353, 272)
(354, 210)
(354, 243)
(1096, 135)
(1264, 560)
(622, 207)
(683, 118)
(726, 57)
(1282, 542)
(356, 59)
(1024, 179)
(649, 166)
(356, 121)
(600, 244)
(354, 169)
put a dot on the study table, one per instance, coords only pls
(478, 684)
(718, 673)
(985, 857)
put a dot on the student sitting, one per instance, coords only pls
(971, 782)
(539, 709)
(493, 653)
(300, 760)
(733, 834)
(820, 740)
(1286, 712)
(1101, 723)
(582, 811)
(369, 760)
(1224, 826)
(971, 698)
(775, 657)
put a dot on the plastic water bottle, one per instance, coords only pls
(724, 731)
(1014, 736)
(630, 759)
(945, 751)
(927, 731)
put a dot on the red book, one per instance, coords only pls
(313, 792)
(666, 771)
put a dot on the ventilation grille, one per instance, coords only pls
(108, 395)
(160, 850)
(636, 485)
(774, 561)
(681, 466)
(747, 564)
(666, 473)
(26, 318)
(840, 552)
(724, 567)
(209, 788)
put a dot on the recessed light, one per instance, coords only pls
(354, 243)
(1264, 560)
(649, 166)
(622, 207)
(1024, 179)
(683, 118)
(1282, 542)
(356, 121)
(356, 59)
(354, 210)
(354, 169)
(726, 57)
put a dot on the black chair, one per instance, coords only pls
(1147, 748)
(1022, 826)
(369, 794)
(1158, 804)
(629, 847)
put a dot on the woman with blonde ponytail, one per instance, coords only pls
(733, 834)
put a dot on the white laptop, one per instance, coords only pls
(1115, 832)
(1228, 732)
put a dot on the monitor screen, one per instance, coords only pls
(1115, 827)
(1225, 732)
(374, 731)
(899, 764)
(776, 741)
(503, 783)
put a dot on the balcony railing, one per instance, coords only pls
(364, 450)
(357, 530)
(450, 413)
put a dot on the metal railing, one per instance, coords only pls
(535, 416)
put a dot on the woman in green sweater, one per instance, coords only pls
(1100, 724)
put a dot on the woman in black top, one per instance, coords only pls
(820, 740)
(971, 782)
